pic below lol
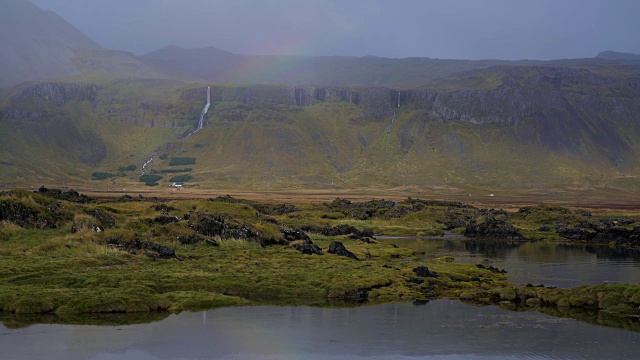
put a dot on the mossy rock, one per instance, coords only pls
(610, 299)
(581, 301)
(549, 296)
(563, 303)
(635, 298)
(469, 295)
(508, 294)
(526, 293)
(30, 305)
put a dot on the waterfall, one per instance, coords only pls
(144, 166)
(398, 98)
(203, 113)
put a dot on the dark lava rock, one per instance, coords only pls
(332, 230)
(364, 235)
(574, 233)
(189, 239)
(54, 208)
(362, 210)
(164, 208)
(24, 215)
(294, 234)
(492, 224)
(338, 230)
(214, 225)
(70, 195)
(106, 219)
(492, 269)
(619, 235)
(454, 222)
(161, 251)
(416, 280)
(165, 219)
(307, 247)
(420, 302)
(338, 248)
(279, 209)
(544, 228)
(423, 271)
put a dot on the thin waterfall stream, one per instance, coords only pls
(203, 113)
(198, 128)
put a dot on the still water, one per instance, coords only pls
(441, 329)
(561, 265)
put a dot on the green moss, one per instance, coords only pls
(508, 294)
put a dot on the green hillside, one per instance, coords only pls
(496, 129)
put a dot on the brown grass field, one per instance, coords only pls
(597, 201)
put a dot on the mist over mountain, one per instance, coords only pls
(36, 44)
(280, 121)
(614, 55)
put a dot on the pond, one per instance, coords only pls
(440, 329)
(551, 264)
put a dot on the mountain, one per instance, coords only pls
(502, 128)
(614, 55)
(36, 44)
(284, 122)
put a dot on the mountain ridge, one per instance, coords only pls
(36, 44)
(324, 122)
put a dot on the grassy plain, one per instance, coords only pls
(82, 258)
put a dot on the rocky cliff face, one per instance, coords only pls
(41, 100)
(524, 92)
(494, 126)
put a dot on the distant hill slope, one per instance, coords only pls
(614, 55)
(36, 44)
(502, 128)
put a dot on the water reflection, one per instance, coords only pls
(17, 321)
(441, 329)
(562, 265)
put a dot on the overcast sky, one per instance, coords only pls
(463, 29)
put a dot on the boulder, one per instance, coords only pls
(338, 248)
(423, 271)
(307, 247)
(294, 234)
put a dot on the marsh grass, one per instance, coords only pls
(65, 272)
